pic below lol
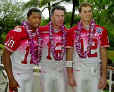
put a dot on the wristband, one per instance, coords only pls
(68, 63)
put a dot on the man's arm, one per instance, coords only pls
(102, 82)
(7, 63)
(104, 61)
(8, 67)
(69, 59)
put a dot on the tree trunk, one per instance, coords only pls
(49, 9)
(75, 3)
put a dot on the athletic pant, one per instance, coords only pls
(25, 81)
(87, 77)
(52, 81)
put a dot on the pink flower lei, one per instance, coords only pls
(78, 40)
(51, 46)
(35, 51)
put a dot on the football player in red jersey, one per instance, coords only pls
(20, 52)
(53, 52)
(86, 53)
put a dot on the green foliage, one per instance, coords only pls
(10, 16)
(1, 46)
(111, 54)
(44, 22)
(45, 2)
(31, 3)
(106, 91)
(68, 16)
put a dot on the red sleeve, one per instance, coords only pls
(104, 38)
(66, 29)
(44, 29)
(70, 38)
(13, 39)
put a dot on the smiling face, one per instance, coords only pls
(86, 14)
(34, 20)
(58, 17)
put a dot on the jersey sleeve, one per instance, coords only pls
(44, 29)
(12, 40)
(104, 38)
(70, 39)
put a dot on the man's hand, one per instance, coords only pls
(102, 82)
(70, 74)
(71, 81)
(13, 85)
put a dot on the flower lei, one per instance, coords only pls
(35, 51)
(51, 46)
(78, 39)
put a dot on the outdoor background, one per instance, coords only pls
(13, 12)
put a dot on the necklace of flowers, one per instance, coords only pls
(34, 51)
(78, 39)
(51, 46)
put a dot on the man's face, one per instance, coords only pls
(86, 14)
(58, 17)
(34, 19)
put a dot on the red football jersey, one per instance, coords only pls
(17, 42)
(52, 64)
(100, 39)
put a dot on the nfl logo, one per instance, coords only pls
(99, 30)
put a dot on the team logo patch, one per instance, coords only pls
(99, 30)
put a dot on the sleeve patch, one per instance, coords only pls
(99, 30)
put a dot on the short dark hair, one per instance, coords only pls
(84, 4)
(33, 10)
(57, 7)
